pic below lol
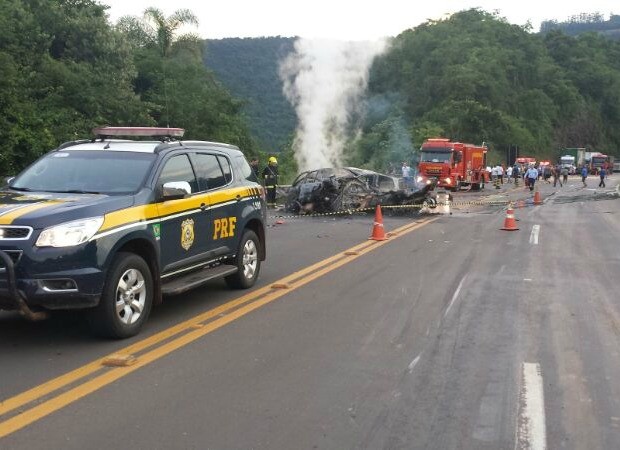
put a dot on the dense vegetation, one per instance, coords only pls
(474, 77)
(65, 69)
(584, 23)
(249, 69)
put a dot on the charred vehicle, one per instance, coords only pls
(350, 188)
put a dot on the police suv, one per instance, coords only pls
(113, 225)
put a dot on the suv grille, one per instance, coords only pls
(8, 232)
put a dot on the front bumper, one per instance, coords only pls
(30, 295)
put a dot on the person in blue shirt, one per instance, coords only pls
(584, 175)
(602, 173)
(532, 176)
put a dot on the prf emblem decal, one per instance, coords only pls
(187, 233)
(224, 227)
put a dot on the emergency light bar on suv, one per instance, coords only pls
(101, 132)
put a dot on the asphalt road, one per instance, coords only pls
(450, 334)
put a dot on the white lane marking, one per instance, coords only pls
(456, 294)
(534, 235)
(532, 432)
(413, 363)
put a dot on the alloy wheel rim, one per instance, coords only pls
(130, 296)
(250, 259)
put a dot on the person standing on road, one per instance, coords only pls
(255, 167)
(602, 173)
(564, 175)
(584, 175)
(531, 175)
(509, 174)
(406, 170)
(547, 173)
(556, 175)
(270, 175)
(516, 173)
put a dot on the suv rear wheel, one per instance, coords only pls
(247, 262)
(127, 298)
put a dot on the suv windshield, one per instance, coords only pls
(105, 172)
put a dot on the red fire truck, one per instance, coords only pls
(598, 160)
(525, 161)
(455, 165)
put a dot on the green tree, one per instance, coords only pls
(155, 30)
(474, 77)
(73, 72)
(173, 81)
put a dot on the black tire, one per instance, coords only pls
(247, 262)
(352, 196)
(121, 313)
(429, 203)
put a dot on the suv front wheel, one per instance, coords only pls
(127, 298)
(247, 262)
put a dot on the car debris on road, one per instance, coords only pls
(350, 188)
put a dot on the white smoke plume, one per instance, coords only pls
(324, 81)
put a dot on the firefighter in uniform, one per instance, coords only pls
(270, 176)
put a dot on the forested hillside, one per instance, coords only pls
(585, 23)
(474, 77)
(249, 69)
(65, 69)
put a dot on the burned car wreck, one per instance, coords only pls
(350, 188)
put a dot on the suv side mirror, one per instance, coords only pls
(174, 190)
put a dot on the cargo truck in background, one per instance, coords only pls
(593, 160)
(568, 162)
(579, 153)
(455, 165)
(597, 161)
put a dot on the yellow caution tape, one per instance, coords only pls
(412, 206)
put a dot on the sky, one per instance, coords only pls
(346, 19)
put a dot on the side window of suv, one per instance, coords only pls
(178, 168)
(225, 168)
(210, 174)
(244, 169)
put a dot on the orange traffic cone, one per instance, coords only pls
(537, 199)
(378, 233)
(510, 224)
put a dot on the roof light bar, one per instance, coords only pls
(138, 131)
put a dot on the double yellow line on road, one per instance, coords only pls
(93, 376)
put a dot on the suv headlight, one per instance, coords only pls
(70, 233)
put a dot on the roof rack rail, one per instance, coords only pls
(71, 143)
(104, 132)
